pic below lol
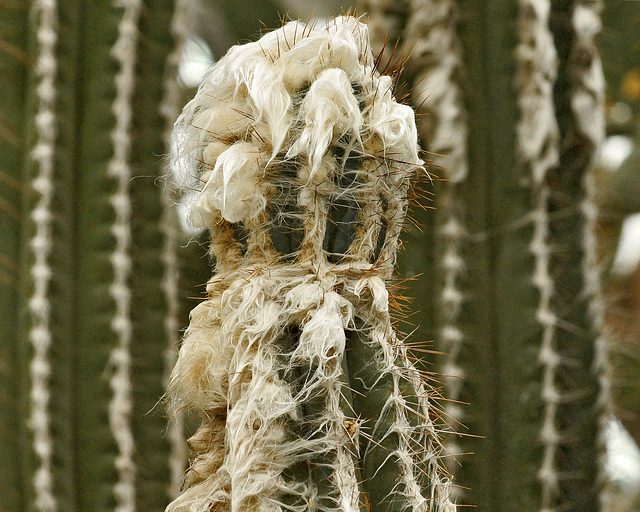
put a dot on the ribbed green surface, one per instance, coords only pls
(23, 346)
(14, 59)
(347, 405)
(95, 446)
(381, 473)
(149, 304)
(319, 468)
(63, 285)
(81, 306)
(577, 415)
(502, 337)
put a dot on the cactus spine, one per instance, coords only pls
(308, 400)
(518, 277)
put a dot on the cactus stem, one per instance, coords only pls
(297, 249)
(39, 307)
(579, 109)
(121, 405)
(439, 68)
(170, 109)
(588, 104)
(538, 150)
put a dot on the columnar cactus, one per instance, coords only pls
(82, 335)
(303, 160)
(513, 95)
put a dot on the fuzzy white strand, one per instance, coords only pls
(437, 60)
(170, 109)
(587, 103)
(40, 334)
(537, 154)
(121, 405)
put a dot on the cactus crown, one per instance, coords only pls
(301, 113)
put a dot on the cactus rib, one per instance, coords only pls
(121, 406)
(169, 109)
(39, 306)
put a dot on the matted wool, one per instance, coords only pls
(303, 160)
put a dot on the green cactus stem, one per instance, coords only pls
(14, 64)
(513, 95)
(83, 87)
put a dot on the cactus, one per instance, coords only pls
(513, 91)
(90, 275)
(88, 96)
(619, 199)
(308, 400)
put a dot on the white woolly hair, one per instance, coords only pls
(282, 134)
(294, 93)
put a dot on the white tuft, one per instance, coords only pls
(40, 336)
(232, 187)
(328, 111)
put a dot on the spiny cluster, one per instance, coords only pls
(302, 161)
(300, 110)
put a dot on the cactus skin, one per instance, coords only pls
(530, 301)
(14, 63)
(81, 310)
(302, 158)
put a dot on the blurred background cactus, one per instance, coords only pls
(95, 272)
(90, 278)
(512, 94)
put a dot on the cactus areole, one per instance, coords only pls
(302, 160)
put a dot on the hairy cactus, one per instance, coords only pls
(89, 293)
(513, 95)
(302, 160)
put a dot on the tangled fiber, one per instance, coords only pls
(302, 160)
